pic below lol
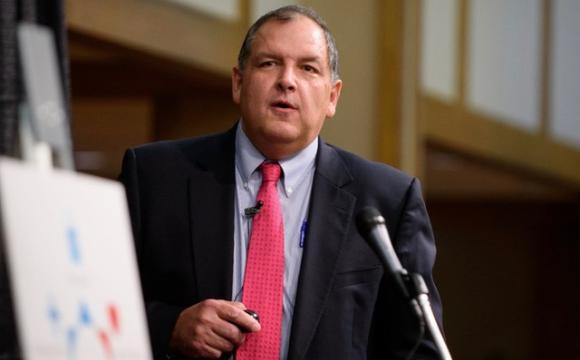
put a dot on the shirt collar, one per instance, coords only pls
(294, 168)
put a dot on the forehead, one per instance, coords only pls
(298, 35)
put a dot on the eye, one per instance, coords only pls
(310, 69)
(267, 63)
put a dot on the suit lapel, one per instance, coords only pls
(329, 220)
(211, 200)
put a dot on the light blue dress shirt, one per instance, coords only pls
(294, 188)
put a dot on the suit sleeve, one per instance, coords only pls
(397, 329)
(415, 244)
(161, 317)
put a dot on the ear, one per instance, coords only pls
(236, 84)
(334, 96)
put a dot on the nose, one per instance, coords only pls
(287, 79)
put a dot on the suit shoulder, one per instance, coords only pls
(188, 150)
(189, 145)
(372, 172)
(379, 185)
(181, 157)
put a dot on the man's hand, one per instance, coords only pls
(210, 328)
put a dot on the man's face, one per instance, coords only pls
(285, 90)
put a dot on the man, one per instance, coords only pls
(196, 205)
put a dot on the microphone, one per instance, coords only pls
(252, 211)
(371, 225)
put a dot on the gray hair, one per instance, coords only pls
(287, 13)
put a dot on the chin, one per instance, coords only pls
(280, 138)
(281, 131)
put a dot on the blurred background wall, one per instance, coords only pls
(479, 98)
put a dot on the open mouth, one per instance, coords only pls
(283, 105)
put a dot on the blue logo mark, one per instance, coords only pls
(73, 245)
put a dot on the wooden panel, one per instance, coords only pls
(483, 137)
(545, 67)
(390, 74)
(162, 29)
(508, 274)
(411, 135)
(462, 55)
(452, 175)
(104, 127)
(196, 113)
(223, 9)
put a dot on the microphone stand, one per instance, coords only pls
(417, 293)
(372, 227)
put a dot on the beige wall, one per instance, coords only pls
(355, 28)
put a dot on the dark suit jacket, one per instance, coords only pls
(181, 198)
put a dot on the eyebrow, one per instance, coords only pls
(314, 58)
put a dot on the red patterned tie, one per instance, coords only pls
(264, 275)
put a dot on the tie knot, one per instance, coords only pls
(270, 171)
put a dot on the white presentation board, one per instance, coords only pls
(72, 265)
